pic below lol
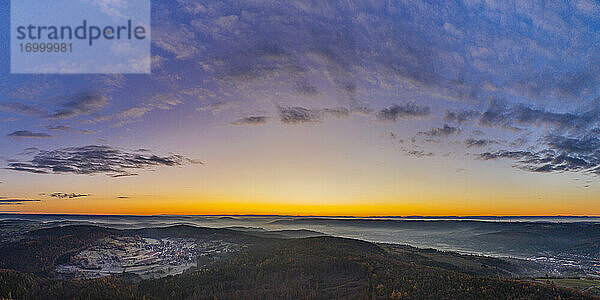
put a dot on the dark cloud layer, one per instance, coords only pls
(557, 154)
(500, 114)
(95, 159)
(569, 142)
(409, 110)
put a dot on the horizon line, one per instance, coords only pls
(300, 216)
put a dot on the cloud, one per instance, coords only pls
(23, 109)
(442, 132)
(361, 54)
(67, 195)
(28, 134)
(133, 112)
(342, 49)
(585, 145)
(461, 116)
(59, 127)
(306, 89)
(76, 105)
(338, 112)
(419, 153)
(410, 110)
(85, 131)
(162, 101)
(362, 110)
(179, 40)
(216, 108)
(297, 115)
(80, 104)
(95, 159)
(113, 8)
(557, 154)
(566, 141)
(507, 154)
(501, 114)
(478, 142)
(69, 129)
(29, 151)
(251, 120)
(8, 201)
(588, 7)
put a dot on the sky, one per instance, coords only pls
(362, 108)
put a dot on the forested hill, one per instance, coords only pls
(307, 268)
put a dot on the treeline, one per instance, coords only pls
(42, 249)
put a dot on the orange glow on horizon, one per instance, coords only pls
(187, 206)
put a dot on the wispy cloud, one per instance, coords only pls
(80, 104)
(66, 128)
(251, 120)
(217, 107)
(58, 127)
(23, 109)
(28, 134)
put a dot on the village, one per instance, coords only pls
(146, 257)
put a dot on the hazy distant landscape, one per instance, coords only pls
(563, 246)
(133, 251)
